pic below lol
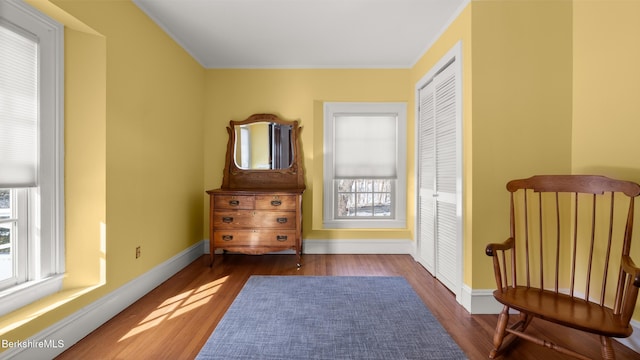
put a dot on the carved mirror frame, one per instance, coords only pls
(236, 178)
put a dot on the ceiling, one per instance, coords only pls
(303, 33)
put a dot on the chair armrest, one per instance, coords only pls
(492, 248)
(499, 262)
(630, 268)
(626, 305)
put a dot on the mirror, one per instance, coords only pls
(263, 152)
(263, 146)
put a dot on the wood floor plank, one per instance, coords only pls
(174, 320)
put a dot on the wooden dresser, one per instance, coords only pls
(255, 222)
(258, 208)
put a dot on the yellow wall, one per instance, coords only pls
(606, 88)
(134, 105)
(522, 112)
(558, 98)
(516, 110)
(259, 145)
(298, 94)
(544, 84)
(154, 139)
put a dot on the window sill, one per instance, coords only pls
(365, 224)
(24, 294)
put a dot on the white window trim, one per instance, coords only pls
(51, 166)
(399, 198)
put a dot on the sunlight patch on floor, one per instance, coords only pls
(176, 306)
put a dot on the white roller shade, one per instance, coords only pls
(365, 146)
(18, 109)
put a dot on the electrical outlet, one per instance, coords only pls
(137, 252)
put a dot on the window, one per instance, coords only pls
(13, 237)
(31, 169)
(364, 165)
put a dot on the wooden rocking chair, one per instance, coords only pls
(570, 237)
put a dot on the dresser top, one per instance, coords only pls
(256, 191)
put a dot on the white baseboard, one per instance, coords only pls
(73, 328)
(483, 302)
(78, 325)
(633, 341)
(372, 246)
(479, 301)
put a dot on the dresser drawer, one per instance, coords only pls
(255, 222)
(280, 238)
(276, 202)
(244, 202)
(254, 219)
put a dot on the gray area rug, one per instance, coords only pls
(327, 317)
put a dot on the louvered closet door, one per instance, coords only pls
(427, 178)
(438, 146)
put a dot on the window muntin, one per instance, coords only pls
(364, 198)
(14, 238)
(7, 235)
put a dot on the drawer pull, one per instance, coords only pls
(276, 202)
(227, 219)
(282, 220)
(227, 237)
(234, 202)
(281, 237)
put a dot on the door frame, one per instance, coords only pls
(455, 53)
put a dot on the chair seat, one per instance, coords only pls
(565, 310)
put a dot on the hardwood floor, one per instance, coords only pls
(174, 320)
